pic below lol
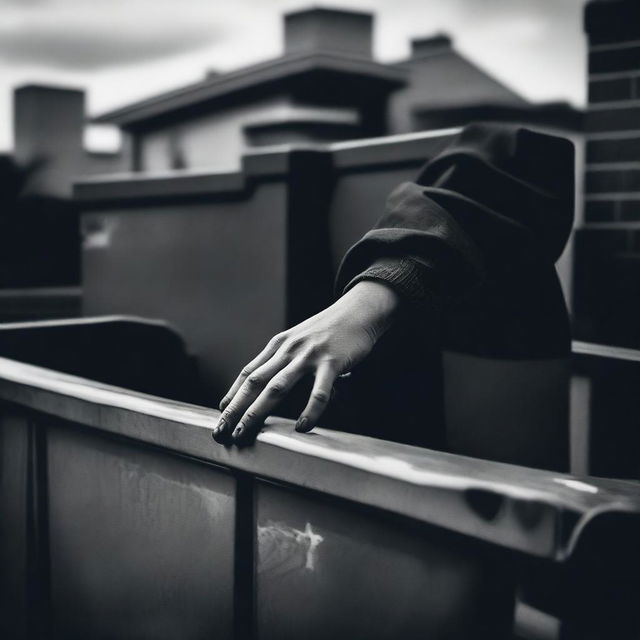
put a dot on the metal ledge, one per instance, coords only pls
(539, 513)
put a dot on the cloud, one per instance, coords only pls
(76, 34)
(89, 50)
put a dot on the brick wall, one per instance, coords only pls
(607, 268)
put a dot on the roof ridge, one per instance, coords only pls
(236, 75)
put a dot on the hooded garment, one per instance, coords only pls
(471, 247)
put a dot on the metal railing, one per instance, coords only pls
(123, 518)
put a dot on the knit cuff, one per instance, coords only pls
(410, 279)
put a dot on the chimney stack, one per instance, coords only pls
(329, 30)
(436, 43)
(49, 126)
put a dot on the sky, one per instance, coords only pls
(124, 50)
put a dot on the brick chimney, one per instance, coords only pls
(48, 126)
(436, 43)
(329, 30)
(607, 263)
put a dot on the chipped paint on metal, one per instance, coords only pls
(283, 548)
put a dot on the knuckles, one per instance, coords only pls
(278, 339)
(276, 389)
(255, 381)
(249, 417)
(227, 416)
(292, 345)
(334, 363)
(315, 348)
(320, 396)
(306, 347)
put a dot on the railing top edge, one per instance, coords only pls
(425, 485)
(85, 321)
(607, 352)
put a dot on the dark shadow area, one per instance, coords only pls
(39, 235)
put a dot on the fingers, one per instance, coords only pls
(254, 417)
(259, 360)
(253, 386)
(319, 399)
(250, 389)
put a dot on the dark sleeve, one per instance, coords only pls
(496, 197)
(409, 279)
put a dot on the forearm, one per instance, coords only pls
(375, 302)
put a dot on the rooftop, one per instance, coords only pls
(215, 87)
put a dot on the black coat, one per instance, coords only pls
(476, 236)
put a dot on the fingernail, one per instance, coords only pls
(218, 430)
(223, 404)
(237, 433)
(301, 424)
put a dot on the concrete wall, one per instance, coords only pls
(215, 141)
(231, 259)
(214, 269)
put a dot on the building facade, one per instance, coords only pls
(326, 87)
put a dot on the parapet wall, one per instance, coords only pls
(231, 259)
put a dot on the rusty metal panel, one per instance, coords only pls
(330, 570)
(141, 542)
(14, 452)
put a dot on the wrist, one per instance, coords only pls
(375, 303)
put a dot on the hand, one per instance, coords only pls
(328, 344)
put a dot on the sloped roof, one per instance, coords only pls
(215, 87)
(445, 77)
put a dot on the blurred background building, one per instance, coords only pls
(326, 86)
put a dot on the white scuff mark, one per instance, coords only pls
(313, 540)
(283, 548)
(577, 485)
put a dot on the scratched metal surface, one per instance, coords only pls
(325, 570)
(141, 542)
(537, 512)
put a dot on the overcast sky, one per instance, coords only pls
(123, 50)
